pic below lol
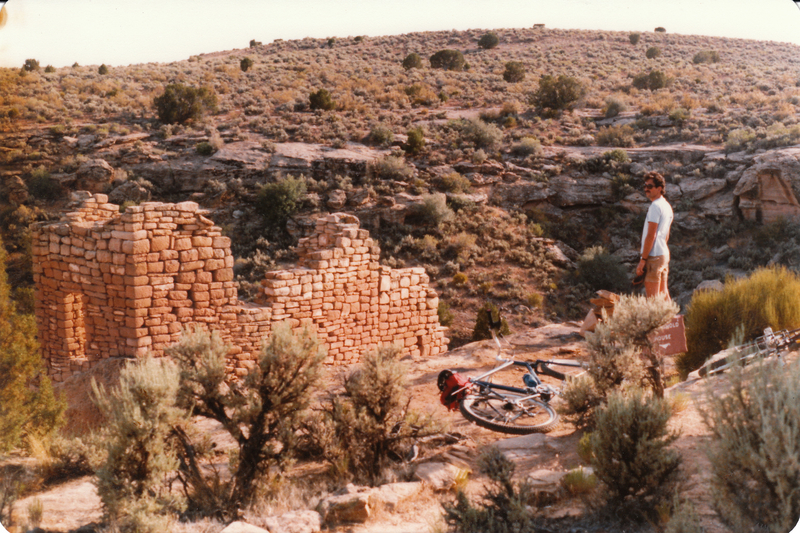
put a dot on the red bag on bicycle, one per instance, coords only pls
(449, 382)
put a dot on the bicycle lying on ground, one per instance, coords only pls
(769, 344)
(503, 408)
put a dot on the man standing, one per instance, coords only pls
(655, 235)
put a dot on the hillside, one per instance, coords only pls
(480, 147)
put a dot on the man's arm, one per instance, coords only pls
(649, 240)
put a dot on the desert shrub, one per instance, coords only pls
(579, 481)
(488, 40)
(602, 271)
(634, 37)
(254, 43)
(367, 428)
(557, 94)
(754, 423)
(260, 411)
(630, 448)
(277, 202)
(653, 80)
(321, 99)
(412, 60)
(433, 210)
(179, 103)
(618, 350)
(10, 489)
(769, 297)
(102, 70)
(460, 278)
(679, 115)
(446, 316)
(480, 133)
(739, 139)
(245, 64)
(527, 146)
(514, 72)
(416, 140)
(481, 330)
(660, 29)
(30, 65)
(615, 136)
(684, 518)
(381, 135)
(204, 148)
(652, 52)
(391, 168)
(504, 506)
(706, 56)
(448, 60)
(42, 186)
(28, 406)
(141, 415)
(49, 69)
(455, 183)
(614, 106)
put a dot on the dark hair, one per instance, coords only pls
(656, 178)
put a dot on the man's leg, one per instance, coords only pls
(655, 280)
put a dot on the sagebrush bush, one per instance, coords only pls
(557, 94)
(613, 107)
(455, 183)
(739, 139)
(445, 314)
(391, 168)
(321, 99)
(480, 133)
(412, 60)
(481, 330)
(706, 56)
(42, 186)
(769, 297)
(755, 449)
(433, 210)
(630, 447)
(381, 135)
(488, 40)
(652, 52)
(618, 350)
(140, 417)
(504, 506)
(528, 146)
(370, 426)
(278, 201)
(245, 64)
(653, 80)
(634, 37)
(179, 103)
(204, 148)
(448, 60)
(615, 136)
(602, 271)
(261, 412)
(102, 70)
(514, 72)
(416, 140)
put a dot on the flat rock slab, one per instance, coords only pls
(242, 527)
(439, 476)
(295, 522)
(66, 507)
(534, 440)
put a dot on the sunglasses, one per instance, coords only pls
(649, 186)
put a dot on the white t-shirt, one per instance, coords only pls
(661, 212)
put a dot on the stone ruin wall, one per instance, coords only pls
(122, 285)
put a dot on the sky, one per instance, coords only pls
(124, 32)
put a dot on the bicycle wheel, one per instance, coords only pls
(508, 412)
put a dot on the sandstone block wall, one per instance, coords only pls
(111, 284)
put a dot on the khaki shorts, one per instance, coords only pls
(657, 269)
